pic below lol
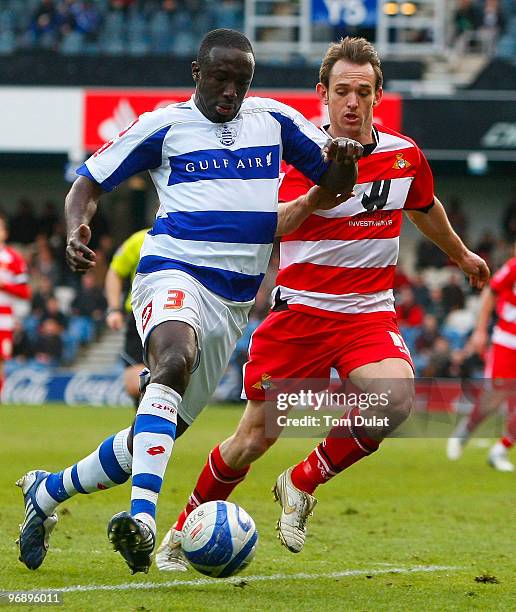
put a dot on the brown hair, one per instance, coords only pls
(355, 50)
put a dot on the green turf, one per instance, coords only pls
(406, 506)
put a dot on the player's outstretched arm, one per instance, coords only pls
(292, 214)
(343, 153)
(113, 287)
(434, 224)
(480, 337)
(80, 206)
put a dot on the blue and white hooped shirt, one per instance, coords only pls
(217, 185)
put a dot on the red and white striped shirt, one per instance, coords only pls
(341, 262)
(13, 284)
(503, 284)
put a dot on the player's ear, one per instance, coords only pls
(196, 71)
(378, 96)
(322, 92)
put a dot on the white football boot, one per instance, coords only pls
(296, 507)
(498, 458)
(454, 448)
(170, 556)
(457, 442)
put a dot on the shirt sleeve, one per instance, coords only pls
(302, 141)
(505, 277)
(137, 148)
(421, 192)
(293, 185)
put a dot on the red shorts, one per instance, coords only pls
(6, 344)
(293, 345)
(500, 362)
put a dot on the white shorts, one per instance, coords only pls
(172, 295)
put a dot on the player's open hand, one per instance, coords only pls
(320, 198)
(115, 320)
(342, 150)
(479, 341)
(79, 257)
(475, 268)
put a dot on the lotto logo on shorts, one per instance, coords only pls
(146, 315)
(175, 300)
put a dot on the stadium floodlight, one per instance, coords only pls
(408, 9)
(477, 163)
(391, 8)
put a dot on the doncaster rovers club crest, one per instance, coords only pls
(226, 134)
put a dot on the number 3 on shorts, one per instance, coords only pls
(398, 341)
(175, 300)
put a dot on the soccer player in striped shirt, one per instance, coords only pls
(500, 369)
(215, 162)
(333, 304)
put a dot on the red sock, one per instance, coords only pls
(217, 481)
(509, 439)
(343, 446)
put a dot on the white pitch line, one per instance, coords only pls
(235, 580)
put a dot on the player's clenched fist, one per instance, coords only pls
(78, 256)
(342, 150)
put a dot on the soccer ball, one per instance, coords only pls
(219, 539)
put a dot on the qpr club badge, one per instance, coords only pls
(226, 134)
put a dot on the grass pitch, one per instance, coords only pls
(405, 508)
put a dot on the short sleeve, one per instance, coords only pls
(294, 184)
(137, 148)
(301, 140)
(421, 192)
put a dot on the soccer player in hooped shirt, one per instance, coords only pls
(13, 284)
(500, 295)
(333, 304)
(215, 162)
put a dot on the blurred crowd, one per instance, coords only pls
(136, 27)
(141, 27)
(436, 308)
(485, 26)
(66, 312)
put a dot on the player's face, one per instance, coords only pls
(351, 97)
(222, 83)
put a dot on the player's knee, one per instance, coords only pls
(400, 406)
(173, 370)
